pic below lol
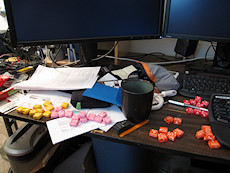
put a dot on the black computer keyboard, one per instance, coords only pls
(219, 117)
(203, 85)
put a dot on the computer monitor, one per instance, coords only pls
(45, 22)
(206, 20)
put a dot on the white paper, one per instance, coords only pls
(125, 72)
(60, 130)
(46, 78)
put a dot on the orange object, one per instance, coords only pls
(179, 132)
(200, 134)
(206, 128)
(214, 144)
(209, 138)
(162, 137)
(153, 133)
(133, 128)
(177, 121)
(171, 136)
(163, 130)
(168, 119)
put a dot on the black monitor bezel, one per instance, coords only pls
(16, 43)
(166, 34)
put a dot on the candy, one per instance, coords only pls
(205, 103)
(20, 109)
(171, 136)
(65, 105)
(58, 108)
(177, 121)
(46, 114)
(84, 120)
(107, 120)
(209, 137)
(91, 117)
(37, 106)
(47, 102)
(193, 102)
(32, 112)
(74, 123)
(198, 99)
(102, 114)
(40, 111)
(197, 111)
(75, 117)
(26, 111)
(82, 114)
(68, 114)
(98, 119)
(162, 137)
(206, 128)
(49, 108)
(168, 119)
(186, 102)
(189, 110)
(214, 144)
(200, 105)
(153, 133)
(179, 132)
(37, 116)
(61, 113)
(163, 130)
(204, 114)
(200, 134)
(54, 115)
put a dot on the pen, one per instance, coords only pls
(186, 105)
(133, 128)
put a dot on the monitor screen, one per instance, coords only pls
(71, 21)
(198, 20)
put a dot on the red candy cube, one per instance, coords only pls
(177, 121)
(179, 132)
(171, 136)
(200, 105)
(193, 102)
(205, 103)
(162, 137)
(214, 144)
(204, 114)
(189, 110)
(200, 134)
(197, 111)
(168, 119)
(198, 99)
(186, 102)
(153, 133)
(209, 138)
(163, 130)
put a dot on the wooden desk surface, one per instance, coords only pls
(188, 145)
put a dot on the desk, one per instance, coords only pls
(187, 146)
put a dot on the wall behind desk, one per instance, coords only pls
(164, 45)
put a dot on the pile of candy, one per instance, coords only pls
(37, 112)
(163, 134)
(83, 118)
(206, 134)
(198, 102)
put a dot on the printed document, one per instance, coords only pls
(46, 78)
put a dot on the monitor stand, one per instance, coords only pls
(87, 52)
(220, 65)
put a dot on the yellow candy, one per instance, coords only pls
(49, 108)
(26, 111)
(20, 109)
(40, 110)
(65, 105)
(37, 116)
(32, 112)
(47, 102)
(46, 114)
(37, 106)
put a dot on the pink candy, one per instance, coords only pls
(75, 117)
(106, 120)
(54, 115)
(57, 109)
(98, 119)
(82, 114)
(84, 120)
(61, 113)
(91, 117)
(74, 123)
(69, 114)
(102, 114)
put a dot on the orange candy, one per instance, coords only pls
(168, 119)
(153, 133)
(214, 144)
(200, 134)
(163, 130)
